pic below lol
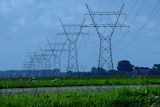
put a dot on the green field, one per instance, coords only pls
(78, 81)
(124, 97)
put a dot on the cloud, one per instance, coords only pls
(5, 8)
(22, 21)
(27, 23)
(46, 19)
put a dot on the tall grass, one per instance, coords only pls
(124, 97)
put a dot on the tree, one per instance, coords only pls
(101, 71)
(124, 66)
(156, 67)
(94, 70)
(155, 70)
(98, 71)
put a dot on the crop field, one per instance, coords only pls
(78, 81)
(123, 97)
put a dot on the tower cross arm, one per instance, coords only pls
(72, 33)
(106, 13)
(106, 25)
(52, 50)
(70, 25)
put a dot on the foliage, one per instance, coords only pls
(155, 70)
(78, 81)
(98, 71)
(124, 97)
(124, 66)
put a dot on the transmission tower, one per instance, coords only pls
(26, 65)
(38, 60)
(72, 31)
(46, 57)
(31, 63)
(56, 49)
(105, 51)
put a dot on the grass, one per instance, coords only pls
(78, 81)
(124, 97)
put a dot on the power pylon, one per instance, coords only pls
(38, 60)
(31, 63)
(72, 32)
(46, 57)
(26, 65)
(105, 51)
(56, 49)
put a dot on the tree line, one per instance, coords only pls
(124, 67)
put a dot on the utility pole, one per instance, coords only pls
(72, 32)
(105, 51)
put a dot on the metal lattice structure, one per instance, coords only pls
(105, 51)
(56, 50)
(46, 57)
(37, 61)
(72, 37)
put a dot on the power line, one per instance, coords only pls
(154, 12)
(133, 7)
(150, 17)
(140, 8)
(146, 22)
(119, 42)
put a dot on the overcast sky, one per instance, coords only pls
(26, 24)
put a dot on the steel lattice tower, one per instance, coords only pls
(72, 37)
(46, 59)
(39, 61)
(31, 62)
(56, 49)
(105, 51)
(26, 65)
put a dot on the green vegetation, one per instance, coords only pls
(124, 97)
(78, 81)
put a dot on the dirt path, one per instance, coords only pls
(80, 88)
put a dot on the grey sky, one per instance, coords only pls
(26, 24)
